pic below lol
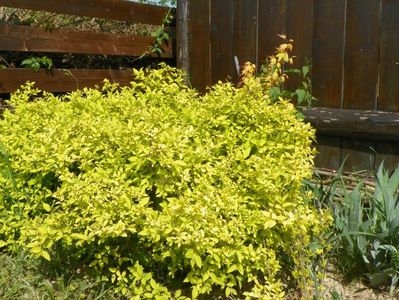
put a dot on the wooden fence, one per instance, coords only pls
(19, 38)
(353, 46)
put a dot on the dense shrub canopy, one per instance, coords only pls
(158, 190)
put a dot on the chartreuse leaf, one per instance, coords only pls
(45, 255)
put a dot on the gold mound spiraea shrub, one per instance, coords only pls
(159, 191)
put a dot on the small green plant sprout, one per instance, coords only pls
(161, 36)
(303, 93)
(36, 63)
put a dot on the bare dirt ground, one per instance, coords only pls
(334, 288)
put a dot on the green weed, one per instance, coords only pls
(22, 277)
(364, 238)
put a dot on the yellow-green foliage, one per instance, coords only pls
(160, 191)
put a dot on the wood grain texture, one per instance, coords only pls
(57, 80)
(389, 57)
(199, 44)
(328, 152)
(361, 54)
(300, 15)
(388, 153)
(182, 35)
(36, 39)
(245, 31)
(271, 23)
(373, 125)
(361, 75)
(359, 154)
(121, 10)
(328, 52)
(222, 35)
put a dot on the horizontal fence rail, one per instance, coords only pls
(35, 39)
(372, 125)
(120, 10)
(57, 80)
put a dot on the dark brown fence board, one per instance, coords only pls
(182, 35)
(199, 44)
(361, 54)
(389, 57)
(361, 74)
(271, 23)
(389, 153)
(36, 39)
(328, 152)
(121, 10)
(328, 49)
(359, 154)
(300, 29)
(222, 27)
(245, 30)
(60, 80)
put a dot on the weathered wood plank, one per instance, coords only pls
(358, 155)
(361, 75)
(361, 54)
(36, 39)
(271, 23)
(182, 35)
(328, 152)
(121, 10)
(222, 35)
(300, 15)
(245, 31)
(57, 80)
(373, 125)
(389, 57)
(389, 154)
(199, 44)
(328, 52)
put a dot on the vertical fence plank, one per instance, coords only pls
(222, 27)
(199, 44)
(361, 54)
(182, 41)
(328, 50)
(245, 31)
(359, 154)
(328, 152)
(389, 57)
(389, 153)
(300, 28)
(302, 16)
(361, 74)
(271, 23)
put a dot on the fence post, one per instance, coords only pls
(182, 38)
